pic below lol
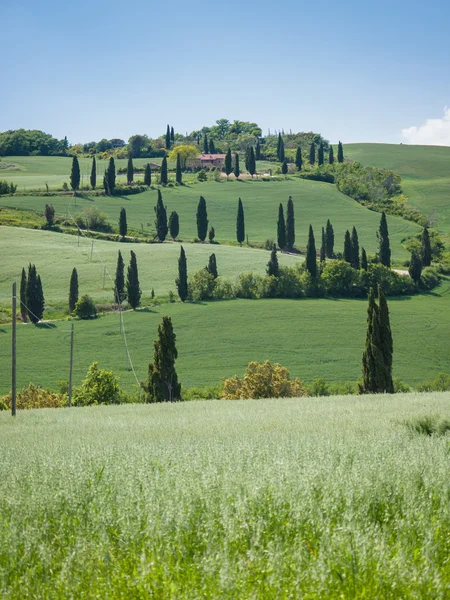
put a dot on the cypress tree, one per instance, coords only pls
(386, 343)
(257, 150)
(290, 225)
(355, 249)
(331, 155)
(312, 154)
(284, 167)
(212, 148)
(282, 154)
(123, 228)
(415, 267)
(161, 219)
(299, 159)
(133, 288)
(182, 280)
(320, 155)
(237, 171)
(247, 158)
(130, 170)
(119, 282)
(251, 162)
(163, 173)
(281, 228)
(272, 266)
(240, 223)
(212, 266)
(178, 176)
(93, 178)
(279, 141)
(311, 261)
(50, 215)
(111, 175)
(75, 175)
(363, 259)
(168, 138)
(148, 175)
(202, 219)
(40, 302)
(73, 290)
(340, 156)
(211, 234)
(348, 250)
(172, 135)
(329, 238)
(106, 184)
(384, 252)
(34, 295)
(205, 144)
(228, 163)
(23, 296)
(426, 248)
(162, 380)
(323, 247)
(174, 225)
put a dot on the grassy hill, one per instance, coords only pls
(425, 171)
(324, 497)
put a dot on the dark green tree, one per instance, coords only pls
(415, 267)
(284, 167)
(212, 148)
(111, 175)
(75, 175)
(281, 228)
(211, 234)
(258, 149)
(182, 279)
(331, 155)
(172, 135)
(205, 144)
(355, 249)
(202, 219)
(162, 381)
(282, 156)
(426, 254)
(130, 170)
(163, 173)
(212, 266)
(329, 238)
(323, 254)
(387, 346)
(240, 223)
(49, 215)
(161, 219)
(133, 287)
(106, 184)
(73, 290)
(168, 140)
(363, 259)
(23, 297)
(299, 159)
(228, 163)
(251, 162)
(290, 225)
(148, 175)
(384, 252)
(179, 176)
(119, 282)
(312, 154)
(311, 259)
(320, 155)
(93, 174)
(348, 249)
(237, 170)
(273, 267)
(174, 225)
(34, 295)
(123, 227)
(340, 156)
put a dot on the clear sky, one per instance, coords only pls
(353, 70)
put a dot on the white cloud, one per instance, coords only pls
(434, 132)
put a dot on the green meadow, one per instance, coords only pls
(294, 498)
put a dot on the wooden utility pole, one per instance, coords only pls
(71, 365)
(13, 368)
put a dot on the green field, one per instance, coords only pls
(296, 498)
(313, 338)
(425, 171)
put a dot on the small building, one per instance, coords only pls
(207, 160)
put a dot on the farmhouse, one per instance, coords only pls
(207, 160)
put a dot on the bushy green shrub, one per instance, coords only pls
(35, 397)
(338, 278)
(430, 278)
(248, 286)
(318, 387)
(99, 387)
(92, 218)
(209, 392)
(441, 383)
(85, 308)
(263, 381)
(392, 283)
(201, 175)
(201, 286)
(223, 289)
(429, 425)
(7, 188)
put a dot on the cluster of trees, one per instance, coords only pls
(32, 302)
(31, 142)
(7, 188)
(420, 258)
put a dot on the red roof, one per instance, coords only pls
(211, 156)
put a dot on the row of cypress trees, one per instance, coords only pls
(31, 295)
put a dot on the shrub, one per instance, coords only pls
(85, 308)
(7, 188)
(263, 381)
(429, 425)
(201, 175)
(99, 387)
(201, 286)
(35, 397)
(338, 278)
(248, 286)
(391, 282)
(430, 278)
(318, 387)
(209, 392)
(441, 383)
(92, 218)
(223, 290)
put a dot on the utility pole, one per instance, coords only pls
(13, 369)
(71, 365)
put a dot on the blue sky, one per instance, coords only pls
(351, 70)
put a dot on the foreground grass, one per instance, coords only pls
(310, 498)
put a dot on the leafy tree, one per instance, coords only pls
(281, 228)
(212, 266)
(93, 178)
(179, 176)
(320, 155)
(415, 267)
(99, 387)
(363, 259)
(348, 249)
(163, 173)
(251, 168)
(426, 253)
(329, 238)
(73, 290)
(119, 282)
(49, 215)
(312, 154)
(384, 252)
(257, 149)
(240, 223)
(202, 219)
(172, 135)
(75, 175)
(111, 175)
(228, 163)
(23, 297)
(331, 155)
(284, 167)
(148, 175)
(205, 144)
(34, 295)
(168, 140)
(263, 381)
(123, 228)
(85, 308)
(133, 287)
(340, 156)
(311, 261)
(272, 266)
(130, 170)
(174, 225)
(161, 219)
(355, 249)
(162, 381)
(182, 280)
(299, 159)
(290, 225)
(186, 151)
(323, 247)
(237, 171)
